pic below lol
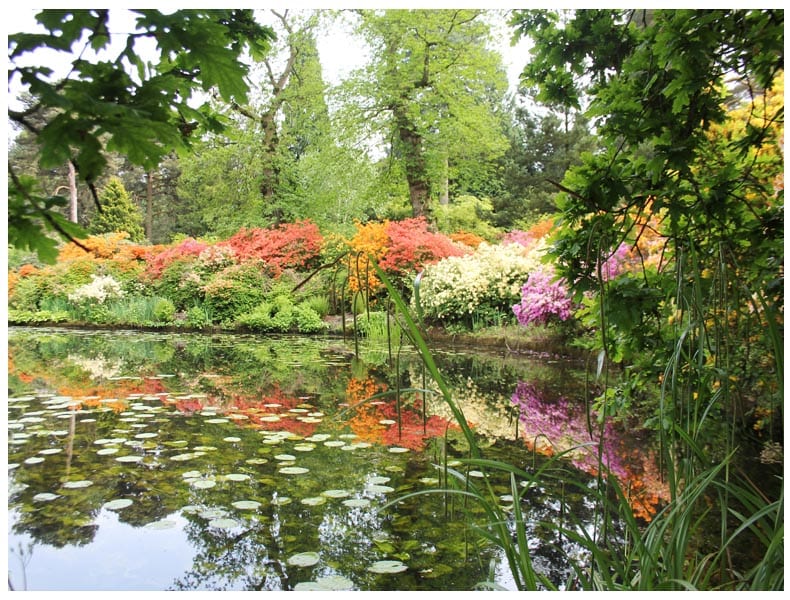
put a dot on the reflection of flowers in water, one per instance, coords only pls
(565, 426)
(556, 425)
(98, 367)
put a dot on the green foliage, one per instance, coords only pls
(101, 107)
(235, 290)
(118, 213)
(281, 315)
(467, 214)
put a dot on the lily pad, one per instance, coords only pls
(223, 523)
(398, 450)
(146, 435)
(285, 457)
(256, 461)
(213, 513)
(387, 566)
(380, 489)
(303, 559)
(161, 524)
(246, 504)
(132, 458)
(118, 504)
(74, 485)
(313, 501)
(48, 451)
(304, 447)
(34, 460)
(281, 501)
(231, 438)
(379, 480)
(45, 497)
(294, 470)
(107, 451)
(237, 477)
(336, 493)
(357, 502)
(334, 444)
(330, 583)
(204, 484)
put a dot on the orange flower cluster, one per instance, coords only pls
(467, 238)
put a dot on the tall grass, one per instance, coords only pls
(670, 552)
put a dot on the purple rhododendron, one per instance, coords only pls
(543, 298)
(615, 264)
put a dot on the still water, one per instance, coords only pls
(150, 461)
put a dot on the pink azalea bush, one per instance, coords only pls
(542, 299)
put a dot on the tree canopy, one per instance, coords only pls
(102, 105)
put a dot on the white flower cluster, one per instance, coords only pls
(101, 288)
(217, 257)
(493, 275)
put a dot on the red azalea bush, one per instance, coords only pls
(412, 246)
(292, 245)
(157, 263)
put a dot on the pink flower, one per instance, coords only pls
(542, 299)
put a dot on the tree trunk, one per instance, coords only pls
(73, 201)
(149, 205)
(444, 195)
(416, 171)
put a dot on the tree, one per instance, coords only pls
(118, 213)
(692, 128)
(430, 91)
(101, 106)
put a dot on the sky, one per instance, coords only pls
(340, 52)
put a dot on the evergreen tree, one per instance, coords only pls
(118, 212)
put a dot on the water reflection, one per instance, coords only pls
(238, 452)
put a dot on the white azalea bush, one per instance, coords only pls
(98, 290)
(488, 281)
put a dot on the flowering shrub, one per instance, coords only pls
(467, 239)
(157, 263)
(236, 290)
(101, 288)
(296, 245)
(527, 238)
(542, 299)
(98, 246)
(489, 279)
(411, 246)
(370, 240)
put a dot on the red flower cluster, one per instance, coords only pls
(412, 246)
(159, 262)
(293, 245)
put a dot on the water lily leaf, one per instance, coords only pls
(231, 438)
(237, 477)
(117, 504)
(204, 484)
(387, 422)
(191, 474)
(336, 493)
(303, 559)
(213, 513)
(218, 420)
(74, 485)
(330, 583)
(132, 458)
(293, 470)
(387, 566)
(48, 451)
(256, 461)
(204, 448)
(285, 457)
(161, 524)
(33, 460)
(45, 497)
(318, 437)
(246, 504)
(281, 501)
(334, 444)
(224, 523)
(379, 479)
(146, 435)
(398, 450)
(313, 501)
(107, 451)
(477, 474)
(357, 502)
(304, 447)
(379, 489)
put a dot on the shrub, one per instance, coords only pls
(158, 262)
(487, 281)
(100, 289)
(236, 289)
(199, 316)
(180, 282)
(292, 245)
(164, 311)
(543, 299)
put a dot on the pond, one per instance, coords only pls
(158, 461)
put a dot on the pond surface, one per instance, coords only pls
(150, 461)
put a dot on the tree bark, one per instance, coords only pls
(149, 204)
(73, 200)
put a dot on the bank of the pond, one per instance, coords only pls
(543, 342)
